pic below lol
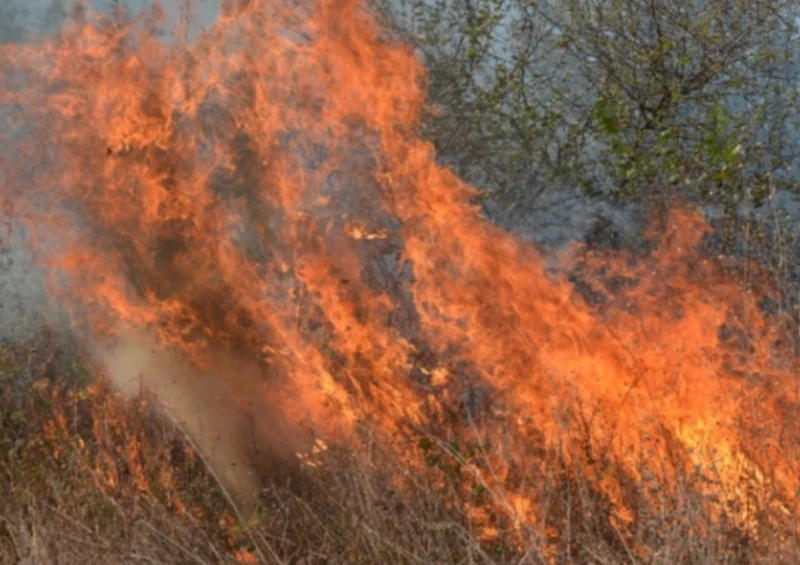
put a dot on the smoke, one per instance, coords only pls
(250, 227)
(220, 403)
(24, 304)
(224, 411)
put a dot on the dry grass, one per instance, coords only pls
(88, 478)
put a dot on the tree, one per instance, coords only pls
(620, 100)
(501, 86)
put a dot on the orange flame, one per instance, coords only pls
(262, 194)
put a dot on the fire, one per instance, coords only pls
(258, 204)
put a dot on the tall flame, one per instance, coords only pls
(262, 195)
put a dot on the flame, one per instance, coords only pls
(262, 195)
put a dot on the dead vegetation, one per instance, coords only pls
(90, 478)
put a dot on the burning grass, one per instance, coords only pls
(247, 231)
(88, 475)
